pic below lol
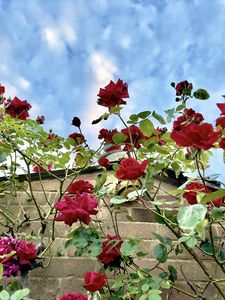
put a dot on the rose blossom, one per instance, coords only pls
(104, 162)
(94, 281)
(222, 144)
(189, 116)
(37, 169)
(193, 188)
(73, 296)
(77, 208)
(113, 93)
(181, 86)
(220, 121)
(40, 119)
(131, 169)
(2, 89)
(110, 254)
(107, 135)
(134, 136)
(80, 186)
(77, 137)
(25, 251)
(18, 109)
(200, 136)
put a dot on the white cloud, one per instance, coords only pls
(102, 67)
(23, 83)
(52, 37)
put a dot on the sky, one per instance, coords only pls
(57, 54)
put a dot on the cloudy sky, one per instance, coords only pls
(57, 54)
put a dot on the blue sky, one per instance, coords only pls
(57, 54)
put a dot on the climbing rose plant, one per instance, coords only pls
(144, 149)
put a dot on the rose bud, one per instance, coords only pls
(76, 122)
(40, 119)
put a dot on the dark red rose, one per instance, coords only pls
(73, 296)
(134, 136)
(110, 254)
(94, 281)
(113, 93)
(222, 144)
(77, 137)
(191, 193)
(18, 109)
(81, 186)
(189, 116)
(107, 135)
(104, 162)
(40, 119)
(76, 122)
(131, 169)
(201, 136)
(183, 85)
(37, 169)
(77, 208)
(26, 252)
(220, 121)
(221, 106)
(2, 89)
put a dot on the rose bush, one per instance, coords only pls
(146, 151)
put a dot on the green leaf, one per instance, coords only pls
(201, 94)
(145, 287)
(158, 118)
(134, 118)
(115, 110)
(143, 297)
(146, 127)
(154, 297)
(119, 138)
(213, 196)
(118, 200)
(180, 107)
(3, 156)
(160, 253)
(190, 216)
(173, 273)
(19, 295)
(191, 242)
(129, 247)
(207, 247)
(164, 240)
(144, 114)
(4, 295)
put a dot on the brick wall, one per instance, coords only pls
(65, 273)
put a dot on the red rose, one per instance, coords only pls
(131, 169)
(73, 296)
(222, 144)
(94, 281)
(40, 119)
(77, 208)
(221, 106)
(104, 162)
(220, 121)
(26, 252)
(200, 136)
(18, 109)
(107, 135)
(52, 136)
(113, 93)
(80, 186)
(110, 251)
(191, 193)
(2, 89)
(77, 137)
(189, 116)
(181, 86)
(134, 136)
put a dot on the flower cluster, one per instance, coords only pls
(17, 108)
(110, 255)
(188, 130)
(16, 255)
(131, 169)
